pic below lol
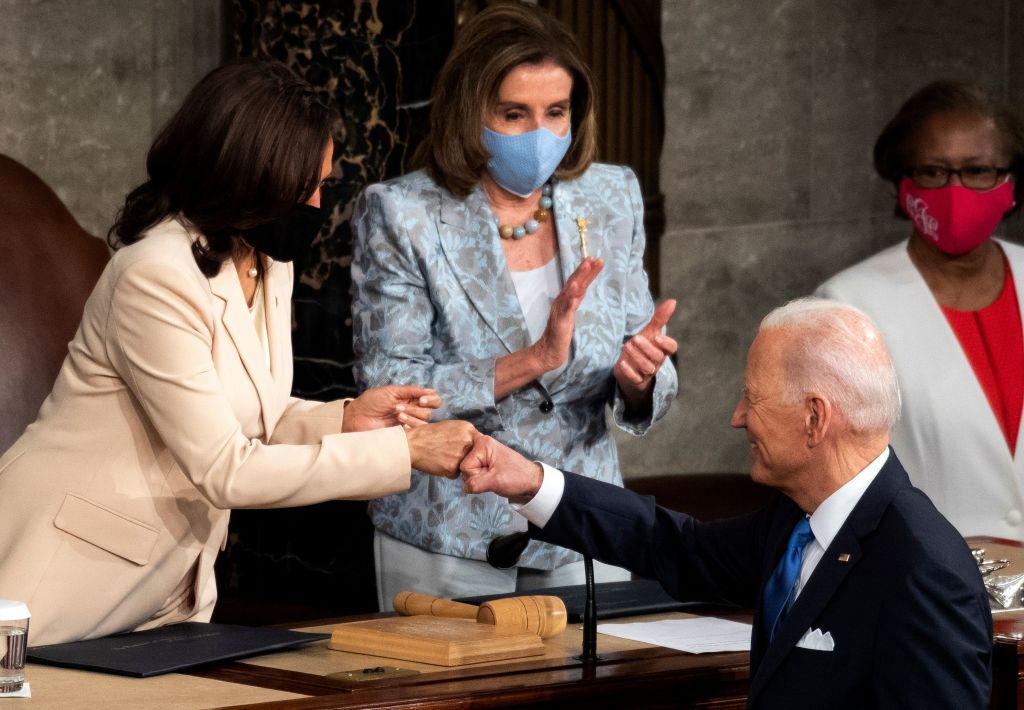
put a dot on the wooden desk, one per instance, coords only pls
(630, 674)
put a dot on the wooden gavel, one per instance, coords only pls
(542, 615)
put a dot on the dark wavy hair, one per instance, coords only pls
(894, 148)
(244, 149)
(487, 48)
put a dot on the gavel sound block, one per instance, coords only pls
(542, 615)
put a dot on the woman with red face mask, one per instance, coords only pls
(948, 303)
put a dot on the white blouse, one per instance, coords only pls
(536, 289)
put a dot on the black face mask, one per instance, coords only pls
(288, 238)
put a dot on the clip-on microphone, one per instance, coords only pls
(504, 552)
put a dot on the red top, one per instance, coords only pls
(992, 340)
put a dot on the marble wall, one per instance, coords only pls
(772, 109)
(85, 85)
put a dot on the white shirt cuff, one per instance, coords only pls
(542, 506)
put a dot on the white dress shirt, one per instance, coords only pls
(830, 516)
(826, 521)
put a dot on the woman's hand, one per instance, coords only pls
(641, 358)
(439, 448)
(390, 406)
(552, 349)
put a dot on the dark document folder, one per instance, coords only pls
(614, 599)
(169, 648)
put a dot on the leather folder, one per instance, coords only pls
(167, 649)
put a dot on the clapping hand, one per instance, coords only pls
(392, 405)
(493, 467)
(553, 346)
(642, 356)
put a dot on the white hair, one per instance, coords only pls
(837, 350)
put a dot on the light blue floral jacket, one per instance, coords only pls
(434, 305)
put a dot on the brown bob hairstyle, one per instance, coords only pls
(487, 48)
(894, 149)
(244, 149)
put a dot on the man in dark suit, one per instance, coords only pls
(864, 595)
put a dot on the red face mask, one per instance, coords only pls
(955, 218)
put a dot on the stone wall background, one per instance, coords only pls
(86, 84)
(772, 108)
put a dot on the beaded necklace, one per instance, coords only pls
(542, 214)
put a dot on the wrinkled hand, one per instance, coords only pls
(439, 448)
(643, 354)
(552, 348)
(390, 406)
(493, 467)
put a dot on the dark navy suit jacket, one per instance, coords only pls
(897, 589)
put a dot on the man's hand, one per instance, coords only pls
(390, 406)
(493, 467)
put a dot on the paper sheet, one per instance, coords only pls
(704, 635)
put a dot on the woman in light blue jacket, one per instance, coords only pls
(507, 275)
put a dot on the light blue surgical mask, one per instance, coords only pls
(523, 162)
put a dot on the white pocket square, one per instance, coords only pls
(814, 640)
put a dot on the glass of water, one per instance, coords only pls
(14, 618)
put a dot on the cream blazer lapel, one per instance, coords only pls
(238, 324)
(472, 246)
(277, 282)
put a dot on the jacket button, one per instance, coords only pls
(546, 406)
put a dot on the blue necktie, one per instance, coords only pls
(779, 588)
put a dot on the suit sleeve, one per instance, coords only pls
(713, 561)
(639, 309)
(160, 340)
(933, 649)
(393, 317)
(307, 422)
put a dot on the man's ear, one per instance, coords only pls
(818, 415)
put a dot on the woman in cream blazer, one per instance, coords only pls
(173, 403)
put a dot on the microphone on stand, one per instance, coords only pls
(504, 552)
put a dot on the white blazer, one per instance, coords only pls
(948, 438)
(163, 417)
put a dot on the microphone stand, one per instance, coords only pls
(589, 654)
(504, 552)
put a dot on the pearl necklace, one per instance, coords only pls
(542, 214)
